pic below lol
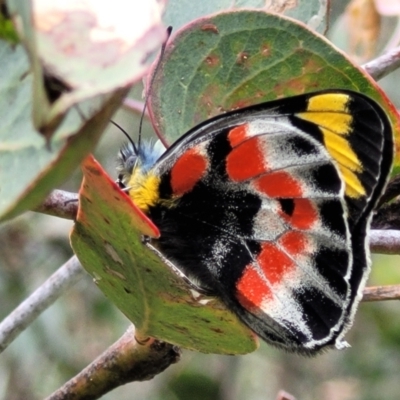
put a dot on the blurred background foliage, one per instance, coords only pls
(82, 324)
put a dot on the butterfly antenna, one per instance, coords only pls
(147, 95)
(135, 149)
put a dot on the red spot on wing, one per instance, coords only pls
(246, 160)
(304, 214)
(274, 263)
(279, 184)
(294, 242)
(187, 171)
(252, 290)
(238, 135)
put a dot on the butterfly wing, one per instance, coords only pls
(358, 136)
(269, 207)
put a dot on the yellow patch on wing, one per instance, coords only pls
(341, 151)
(336, 122)
(331, 113)
(335, 102)
(145, 189)
(354, 187)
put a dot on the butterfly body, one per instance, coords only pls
(269, 207)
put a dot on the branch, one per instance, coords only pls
(384, 65)
(125, 361)
(42, 298)
(385, 241)
(380, 293)
(65, 204)
(60, 204)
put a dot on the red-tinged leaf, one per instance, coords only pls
(247, 57)
(107, 239)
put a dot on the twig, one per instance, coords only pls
(42, 298)
(134, 106)
(380, 293)
(282, 395)
(60, 204)
(125, 361)
(384, 65)
(385, 242)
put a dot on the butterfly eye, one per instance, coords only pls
(130, 163)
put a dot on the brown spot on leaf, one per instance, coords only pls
(212, 60)
(210, 28)
(312, 65)
(289, 88)
(242, 58)
(207, 101)
(265, 50)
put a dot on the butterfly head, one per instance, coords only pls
(135, 172)
(133, 161)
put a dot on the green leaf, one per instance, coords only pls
(29, 168)
(107, 241)
(7, 31)
(233, 60)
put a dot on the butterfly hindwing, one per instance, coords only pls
(268, 207)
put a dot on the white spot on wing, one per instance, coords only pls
(287, 313)
(267, 224)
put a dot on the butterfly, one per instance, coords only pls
(268, 208)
